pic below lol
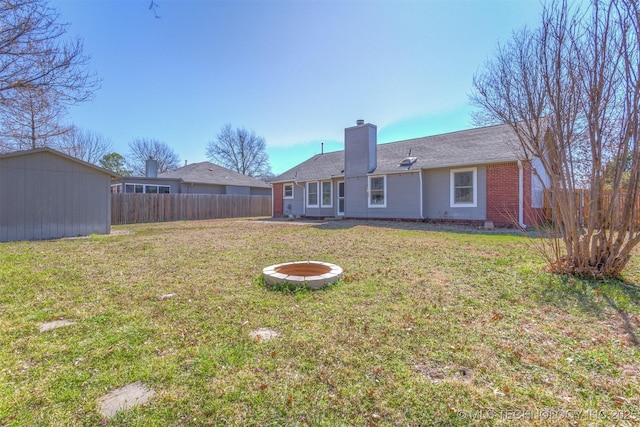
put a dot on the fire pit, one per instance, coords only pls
(313, 274)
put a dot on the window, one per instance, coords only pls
(287, 191)
(142, 188)
(464, 188)
(377, 191)
(312, 194)
(327, 194)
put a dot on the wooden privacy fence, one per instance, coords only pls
(135, 208)
(583, 201)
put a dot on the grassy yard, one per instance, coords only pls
(428, 327)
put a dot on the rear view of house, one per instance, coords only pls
(45, 194)
(475, 175)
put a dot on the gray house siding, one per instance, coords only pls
(402, 197)
(233, 189)
(191, 188)
(45, 196)
(259, 191)
(436, 187)
(295, 206)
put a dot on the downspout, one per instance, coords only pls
(273, 195)
(521, 195)
(421, 206)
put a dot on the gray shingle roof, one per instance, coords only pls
(492, 144)
(209, 173)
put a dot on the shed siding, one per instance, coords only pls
(437, 201)
(45, 196)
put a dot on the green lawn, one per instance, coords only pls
(428, 327)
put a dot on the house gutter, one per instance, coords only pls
(521, 195)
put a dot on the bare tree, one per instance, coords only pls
(31, 120)
(571, 92)
(142, 149)
(40, 72)
(84, 145)
(240, 150)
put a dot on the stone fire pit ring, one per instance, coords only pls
(313, 274)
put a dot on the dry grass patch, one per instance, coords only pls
(428, 326)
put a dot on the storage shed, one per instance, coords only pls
(45, 194)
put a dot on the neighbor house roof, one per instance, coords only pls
(209, 173)
(492, 144)
(59, 154)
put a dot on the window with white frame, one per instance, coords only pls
(377, 191)
(464, 187)
(147, 188)
(327, 194)
(287, 191)
(312, 194)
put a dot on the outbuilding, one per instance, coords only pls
(45, 194)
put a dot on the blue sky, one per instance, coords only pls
(297, 72)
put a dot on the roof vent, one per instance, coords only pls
(360, 122)
(408, 161)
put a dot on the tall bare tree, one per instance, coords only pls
(31, 120)
(240, 150)
(142, 149)
(571, 92)
(41, 72)
(84, 145)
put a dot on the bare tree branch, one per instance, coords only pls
(142, 149)
(571, 92)
(240, 150)
(84, 145)
(41, 73)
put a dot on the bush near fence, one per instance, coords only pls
(137, 208)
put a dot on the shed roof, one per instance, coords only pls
(491, 144)
(59, 154)
(209, 173)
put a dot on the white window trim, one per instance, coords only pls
(452, 192)
(338, 197)
(321, 195)
(369, 204)
(317, 184)
(284, 192)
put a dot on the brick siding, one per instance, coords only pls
(278, 205)
(502, 193)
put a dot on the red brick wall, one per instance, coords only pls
(278, 205)
(502, 193)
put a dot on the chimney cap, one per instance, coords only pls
(359, 122)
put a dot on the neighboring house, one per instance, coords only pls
(473, 176)
(196, 178)
(45, 194)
